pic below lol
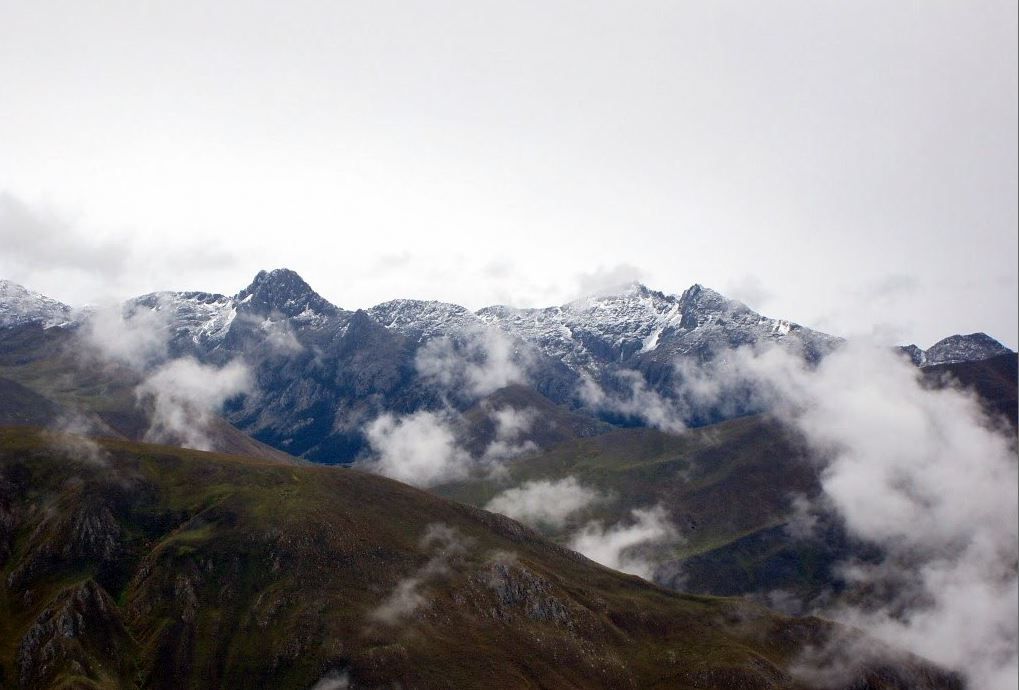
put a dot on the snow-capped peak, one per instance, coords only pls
(956, 348)
(19, 305)
(422, 319)
(283, 291)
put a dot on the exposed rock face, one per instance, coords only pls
(964, 348)
(19, 306)
(77, 531)
(954, 349)
(322, 373)
(78, 635)
(516, 587)
(238, 573)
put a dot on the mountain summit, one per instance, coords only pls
(322, 371)
(284, 291)
(956, 348)
(19, 305)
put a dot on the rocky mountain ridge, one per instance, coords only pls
(634, 321)
(322, 372)
(19, 306)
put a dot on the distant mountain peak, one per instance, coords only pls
(19, 305)
(284, 291)
(956, 348)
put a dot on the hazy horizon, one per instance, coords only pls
(850, 167)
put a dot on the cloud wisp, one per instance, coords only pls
(410, 593)
(419, 449)
(424, 448)
(132, 337)
(637, 400)
(624, 546)
(511, 427)
(183, 395)
(544, 502)
(922, 474)
(69, 435)
(485, 361)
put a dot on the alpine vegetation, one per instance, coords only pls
(410, 593)
(921, 473)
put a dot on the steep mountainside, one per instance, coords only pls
(956, 348)
(322, 373)
(731, 489)
(20, 306)
(160, 568)
(48, 379)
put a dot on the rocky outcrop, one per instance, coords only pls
(79, 635)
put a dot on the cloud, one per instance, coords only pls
(410, 593)
(925, 476)
(624, 546)
(889, 287)
(279, 335)
(419, 449)
(69, 435)
(545, 501)
(134, 337)
(333, 680)
(485, 361)
(637, 401)
(39, 239)
(750, 290)
(604, 281)
(183, 395)
(55, 252)
(510, 425)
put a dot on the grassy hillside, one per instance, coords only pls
(47, 377)
(150, 566)
(729, 488)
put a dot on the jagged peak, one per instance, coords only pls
(963, 348)
(283, 290)
(20, 305)
(277, 277)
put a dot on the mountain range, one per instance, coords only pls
(323, 372)
(600, 401)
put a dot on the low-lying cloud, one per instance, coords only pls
(419, 449)
(183, 395)
(922, 474)
(511, 425)
(624, 546)
(410, 593)
(134, 337)
(485, 361)
(333, 680)
(545, 501)
(637, 400)
(424, 449)
(69, 435)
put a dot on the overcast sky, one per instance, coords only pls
(848, 165)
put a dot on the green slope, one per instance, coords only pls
(163, 568)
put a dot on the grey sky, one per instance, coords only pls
(848, 165)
